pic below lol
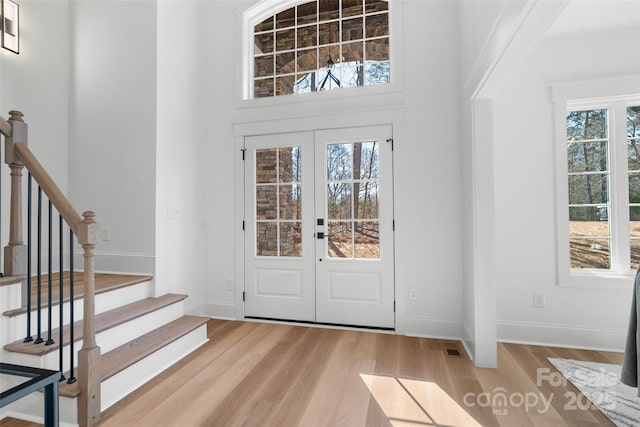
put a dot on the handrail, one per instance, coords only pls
(85, 228)
(49, 187)
(5, 127)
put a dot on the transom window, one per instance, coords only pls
(321, 45)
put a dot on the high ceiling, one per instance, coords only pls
(589, 16)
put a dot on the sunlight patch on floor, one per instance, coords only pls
(412, 402)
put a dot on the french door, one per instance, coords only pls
(319, 227)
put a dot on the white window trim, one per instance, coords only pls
(614, 94)
(263, 9)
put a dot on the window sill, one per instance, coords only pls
(597, 279)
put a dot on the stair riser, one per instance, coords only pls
(127, 381)
(16, 327)
(10, 296)
(107, 340)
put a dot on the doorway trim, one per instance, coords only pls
(391, 116)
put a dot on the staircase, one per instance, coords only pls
(139, 334)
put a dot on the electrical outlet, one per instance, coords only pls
(539, 300)
(229, 284)
(413, 294)
(174, 212)
(106, 234)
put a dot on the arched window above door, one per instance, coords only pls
(318, 45)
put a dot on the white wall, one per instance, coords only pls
(427, 160)
(219, 90)
(36, 82)
(525, 197)
(112, 150)
(181, 163)
(428, 173)
(479, 22)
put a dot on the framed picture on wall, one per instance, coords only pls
(10, 26)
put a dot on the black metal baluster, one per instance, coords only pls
(39, 274)
(61, 274)
(29, 338)
(49, 278)
(71, 379)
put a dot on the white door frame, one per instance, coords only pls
(394, 116)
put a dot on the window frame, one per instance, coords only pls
(615, 95)
(263, 9)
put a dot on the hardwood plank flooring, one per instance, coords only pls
(259, 374)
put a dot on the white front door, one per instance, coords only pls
(319, 227)
(354, 211)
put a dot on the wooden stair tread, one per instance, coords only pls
(103, 321)
(10, 280)
(128, 354)
(104, 282)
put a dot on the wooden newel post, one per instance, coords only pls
(15, 253)
(89, 355)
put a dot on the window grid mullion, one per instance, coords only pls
(620, 245)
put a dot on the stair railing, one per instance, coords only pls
(17, 257)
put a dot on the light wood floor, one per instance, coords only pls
(266, 375)
(260, 374)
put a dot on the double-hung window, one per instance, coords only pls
(598, 163)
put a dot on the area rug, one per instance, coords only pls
(600, 383)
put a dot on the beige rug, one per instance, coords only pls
(600, 383)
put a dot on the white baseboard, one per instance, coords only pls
(430, 327)
(554, 335)
(468, 343)
(121, 262)
(216, 309)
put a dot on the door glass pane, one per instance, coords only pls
(266, 161)
(266, 202)
(339, 200)
(367, 239)
(340, 240)
(339, 162)
(352, 195)
(290, 162)
(290, 239)
(266, 238)
(367, 201)
(290, 202)
(278, 201)
(366, 160)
